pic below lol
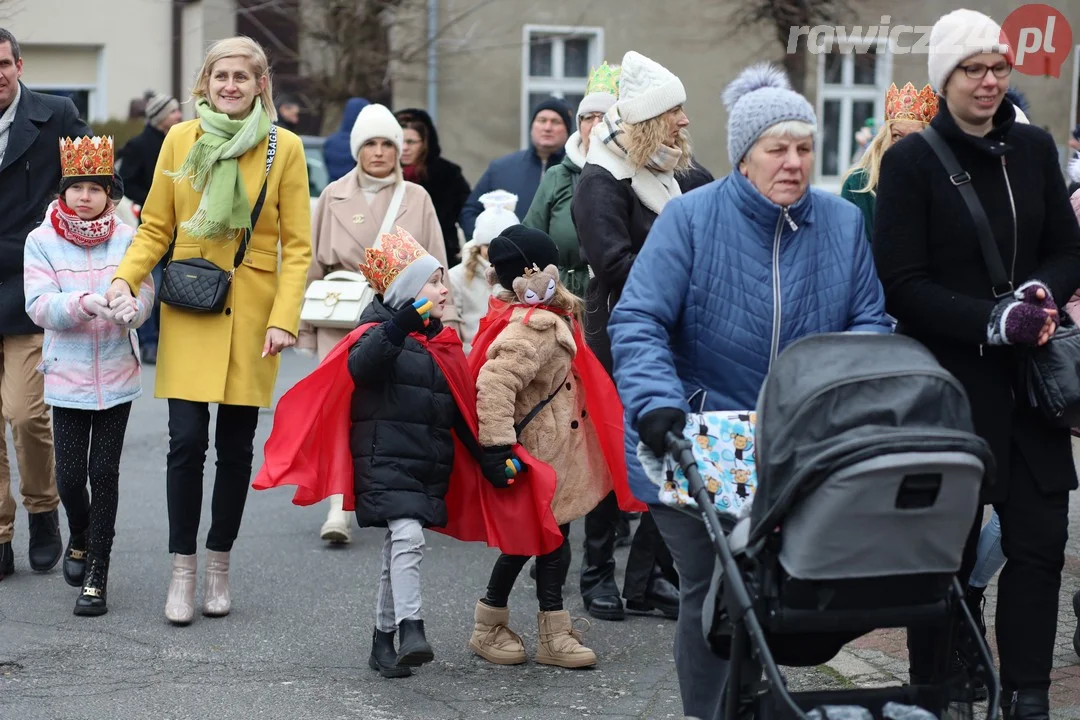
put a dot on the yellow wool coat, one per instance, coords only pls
(217, 358)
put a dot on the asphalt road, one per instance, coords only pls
(296, 644)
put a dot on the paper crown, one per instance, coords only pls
(394, 252)
(911, 104)
(86, 156)
(604, 79)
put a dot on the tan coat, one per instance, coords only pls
(344, 225)
(217, 358)
(525, 364)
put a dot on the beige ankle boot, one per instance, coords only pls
(492, 639)
(180, 604)
(559, 644)
(216, 600)
(338, 526)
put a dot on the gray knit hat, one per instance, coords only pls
(158, 107)
(757, 99)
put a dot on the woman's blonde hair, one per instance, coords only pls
(870, 162)
(643, 139)
(473, 262)
(244, 47)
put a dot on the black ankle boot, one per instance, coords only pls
(46, 547)
(7, 560)
(413, 648)
(384, 657)
(91, 600)
(1027, 705)
(75, 561)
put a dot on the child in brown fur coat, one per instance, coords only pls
(537, 384)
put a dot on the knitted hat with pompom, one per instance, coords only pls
(760, 97)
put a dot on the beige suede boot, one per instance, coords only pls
(180, 604)
(492, 639)
(559, 644)
(216, 600)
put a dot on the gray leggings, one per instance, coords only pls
(399, 582)
(702, 674)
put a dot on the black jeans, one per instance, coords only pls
(1034, 530)
(549, 578)
(88, 444)
(189, 438)
(649, 555)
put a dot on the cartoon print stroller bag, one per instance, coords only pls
(868, 481)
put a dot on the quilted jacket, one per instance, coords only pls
(725, 281)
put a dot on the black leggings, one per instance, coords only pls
(189, 438)
(549, 578)
(88, 444)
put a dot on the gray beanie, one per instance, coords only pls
(757, 99)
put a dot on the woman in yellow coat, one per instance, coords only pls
(208, 177)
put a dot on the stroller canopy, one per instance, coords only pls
(833, 399)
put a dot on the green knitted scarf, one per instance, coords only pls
(213, 170)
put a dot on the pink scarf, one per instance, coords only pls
(84, 233)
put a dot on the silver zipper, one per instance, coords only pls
(1012, 204)
(777, 310)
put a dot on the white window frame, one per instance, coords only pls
(847, 93)
(97, 100)
(556, 85)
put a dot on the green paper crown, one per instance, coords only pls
(604, 79)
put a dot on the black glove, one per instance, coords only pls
(495, 467)
(655, 424)
(409, 320)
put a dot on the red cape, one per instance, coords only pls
(601, 399)
(309, 448)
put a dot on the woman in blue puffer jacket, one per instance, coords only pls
(730, 275)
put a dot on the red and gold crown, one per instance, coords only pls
(86, 156)
(395, 252)
(911, 104)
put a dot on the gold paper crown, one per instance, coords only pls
(396, 252)
(911, 104)
(86, 156)
(604, 79)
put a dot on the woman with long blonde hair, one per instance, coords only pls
(906, 111)
(233, 191)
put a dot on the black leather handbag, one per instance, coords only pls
(1051, 371)
(198, 285)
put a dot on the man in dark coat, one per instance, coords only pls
(441, 178)
(31, 125)
(520, 172)
(137, 161)
(937, 286)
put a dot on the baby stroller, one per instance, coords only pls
(869, 477)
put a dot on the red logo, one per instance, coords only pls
(1040, 38)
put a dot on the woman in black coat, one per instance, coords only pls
(938, 288)
(423, 164)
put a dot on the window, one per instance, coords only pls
(556, 61)
(81, 98)
(851, 90)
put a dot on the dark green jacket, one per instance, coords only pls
(550, 212)
(862, 200)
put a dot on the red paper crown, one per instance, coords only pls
(911, 104)
(86, 156)
(396, 252)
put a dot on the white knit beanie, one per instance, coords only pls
(499, 207)
(957, 36)
(375, 121)
(597, 102)
(647, 89)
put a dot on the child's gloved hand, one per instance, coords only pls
(95, 305)
(1019, 323)
(499, 465)
(415, 317)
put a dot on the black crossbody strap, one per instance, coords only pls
(999, 280)
(539, 407)
(271, 151)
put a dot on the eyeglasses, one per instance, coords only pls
(977, 71)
